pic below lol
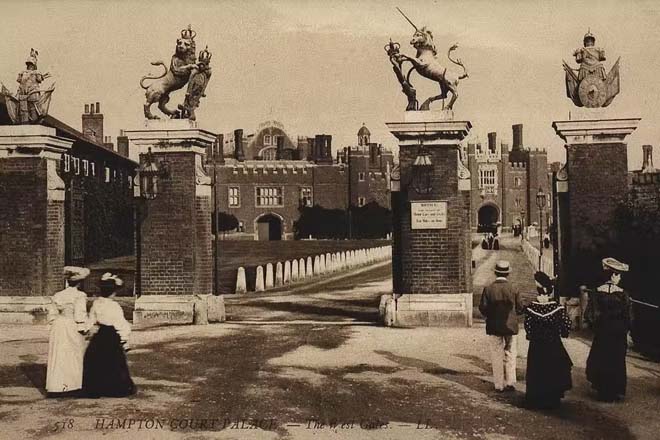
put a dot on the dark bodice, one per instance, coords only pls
(546, 321)
(608, 308)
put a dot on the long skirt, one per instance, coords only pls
(105, 372)
(65, 356)
(548, 373)
(606, 364)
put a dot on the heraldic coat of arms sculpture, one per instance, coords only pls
(589, 86)
(185, 69)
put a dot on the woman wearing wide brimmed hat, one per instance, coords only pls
(548, 364)
(105, 368)
(608, 312)
(67, 313)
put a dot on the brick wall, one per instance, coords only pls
(597, 183)
(169, 231)
(32, 253)
(434, 261)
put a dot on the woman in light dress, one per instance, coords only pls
(67, 314)
(105, 371)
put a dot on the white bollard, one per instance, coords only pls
(317, 265)
(301, 269)
(308, 267)
(241, 285)
(294, 270)
(279, 280)
(342, 261)
(287, 272)
(270, 279)
(259, 282)
(322, 263)
(328, 261)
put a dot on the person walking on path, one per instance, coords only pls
(67, 314)
(105, 369)
(608, 312)
(548, 364)
(500, 304)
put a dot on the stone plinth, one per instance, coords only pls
(31, 219)
(593, 183)
(431, 240)
(434, 310)
(174, 240)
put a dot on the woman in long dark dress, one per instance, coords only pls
(105, 371)
(548, 364)
(608, 312)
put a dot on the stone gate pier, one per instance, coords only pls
(431, 220)
(174, 274)
(31, 221)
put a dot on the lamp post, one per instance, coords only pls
(522, 223)
(540, 203)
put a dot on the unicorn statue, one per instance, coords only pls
(426, 64)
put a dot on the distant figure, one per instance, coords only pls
(608, 312)
(548, 364)
(546, 241)
(105, 370)
(500, 303)
(491, 237)
(66, 345)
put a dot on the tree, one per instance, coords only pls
(226, 222)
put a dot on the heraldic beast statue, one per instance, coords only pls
(427, 65)
(185, 69)
(589, 86)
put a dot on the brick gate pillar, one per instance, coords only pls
(593, 183)
(174, 249)
(432, 242)
(31, 221)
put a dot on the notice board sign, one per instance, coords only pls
(429, 214)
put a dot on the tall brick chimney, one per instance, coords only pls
(517, 137)
(279, 155)
(238, 144)
(492, 141)
(647, 165)
(92, 123)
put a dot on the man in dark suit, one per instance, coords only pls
(500, 304)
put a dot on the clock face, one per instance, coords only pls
(592, 91)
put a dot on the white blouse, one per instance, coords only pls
(107, 312)
(70, 303)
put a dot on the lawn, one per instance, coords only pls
(233, 254)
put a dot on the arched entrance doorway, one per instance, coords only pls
(487, 218)
(269, 227)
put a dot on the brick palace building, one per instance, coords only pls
(264, 178)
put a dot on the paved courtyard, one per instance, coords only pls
(313, 364)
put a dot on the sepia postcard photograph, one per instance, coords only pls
(330, 220)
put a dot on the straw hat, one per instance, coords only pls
(75, 273)
(502, 267)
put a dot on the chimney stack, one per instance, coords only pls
(492, 141)
(86, 108)
(279, 155)
(238, 144)
(98, 107)
(647, 165)
(517, 137)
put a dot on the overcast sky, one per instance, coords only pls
(320, 67)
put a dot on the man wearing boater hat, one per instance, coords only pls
(500, 304)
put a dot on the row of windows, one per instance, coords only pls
(487, 177)
(269, 196)
(87, 168)
(270, 140)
